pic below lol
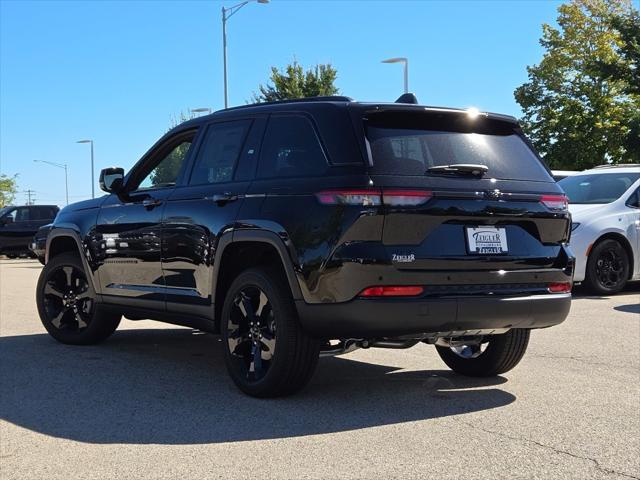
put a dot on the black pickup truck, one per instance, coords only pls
(18, 225)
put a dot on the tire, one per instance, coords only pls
(502, 353)
(11, 256)
(607, 268)
(67, 304)
(259, 315)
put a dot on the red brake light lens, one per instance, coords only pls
(374, 197)
(386, 291)
(405, 197)
(559, 287)
(350, 197)
(555, 202)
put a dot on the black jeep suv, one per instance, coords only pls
(305, 228)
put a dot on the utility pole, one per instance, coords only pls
(30, 193)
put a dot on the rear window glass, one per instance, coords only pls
(597, 187)
(291, 149)
(410, 147)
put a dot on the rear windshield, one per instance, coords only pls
(411, 145)
(597, 187)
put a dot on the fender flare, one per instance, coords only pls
(73, 234)
(261, 236)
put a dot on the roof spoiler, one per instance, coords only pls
(407, 98)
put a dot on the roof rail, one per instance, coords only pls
(326, 98)
(618, 165)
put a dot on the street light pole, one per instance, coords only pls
(93, 183)
(226, 15)
(66, 176)
(224, 53)
(405, 61)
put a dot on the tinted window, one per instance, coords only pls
(166, 171)
(291, 149)
(219, 152)
(597, 188)
(43, 213)
(20, 214)
(404, 143)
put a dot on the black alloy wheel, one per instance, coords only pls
(67, 303)
(267, 352)
(496, 354)
(251, 332)
(607, 268)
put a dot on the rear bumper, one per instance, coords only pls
(388, 317)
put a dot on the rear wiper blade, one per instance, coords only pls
(460, 169)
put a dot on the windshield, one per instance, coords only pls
(597, 187)
(5, 210)
(409, 147)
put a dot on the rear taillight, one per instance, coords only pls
(555, 202)
(350, 197)
(374, 197)
(559, 287)
(396, 291)
(405, 197)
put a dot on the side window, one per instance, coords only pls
(219, 152)
(634, 199)
(43, 213)
(291, 149)
(10, 217)
(22, 215)
(166, 171)
(38, 213)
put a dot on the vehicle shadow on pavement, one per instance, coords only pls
(630, 308)
(170, 386)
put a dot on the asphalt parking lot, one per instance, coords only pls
(154, 401)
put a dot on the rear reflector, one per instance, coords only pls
(374, 197)
(559, 287)
(555, 202)
(400, 291)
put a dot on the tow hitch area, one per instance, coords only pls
(467, 341)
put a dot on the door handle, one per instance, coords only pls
(151, 203)
(222, 198)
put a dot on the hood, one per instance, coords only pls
(85, 204)
(582, 210)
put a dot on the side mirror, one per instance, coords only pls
(112, 179)
(6, 220)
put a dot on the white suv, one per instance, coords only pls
(605, 205)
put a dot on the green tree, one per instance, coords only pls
(627, 68)
(295, 82)
(576, 114)
(169, 168)
(8, 189)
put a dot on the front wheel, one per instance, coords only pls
(266, 351)
(67, 304)
(497, 355)
(607, 268)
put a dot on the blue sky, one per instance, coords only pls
(117, 72)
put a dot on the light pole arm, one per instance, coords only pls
(228, 12)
